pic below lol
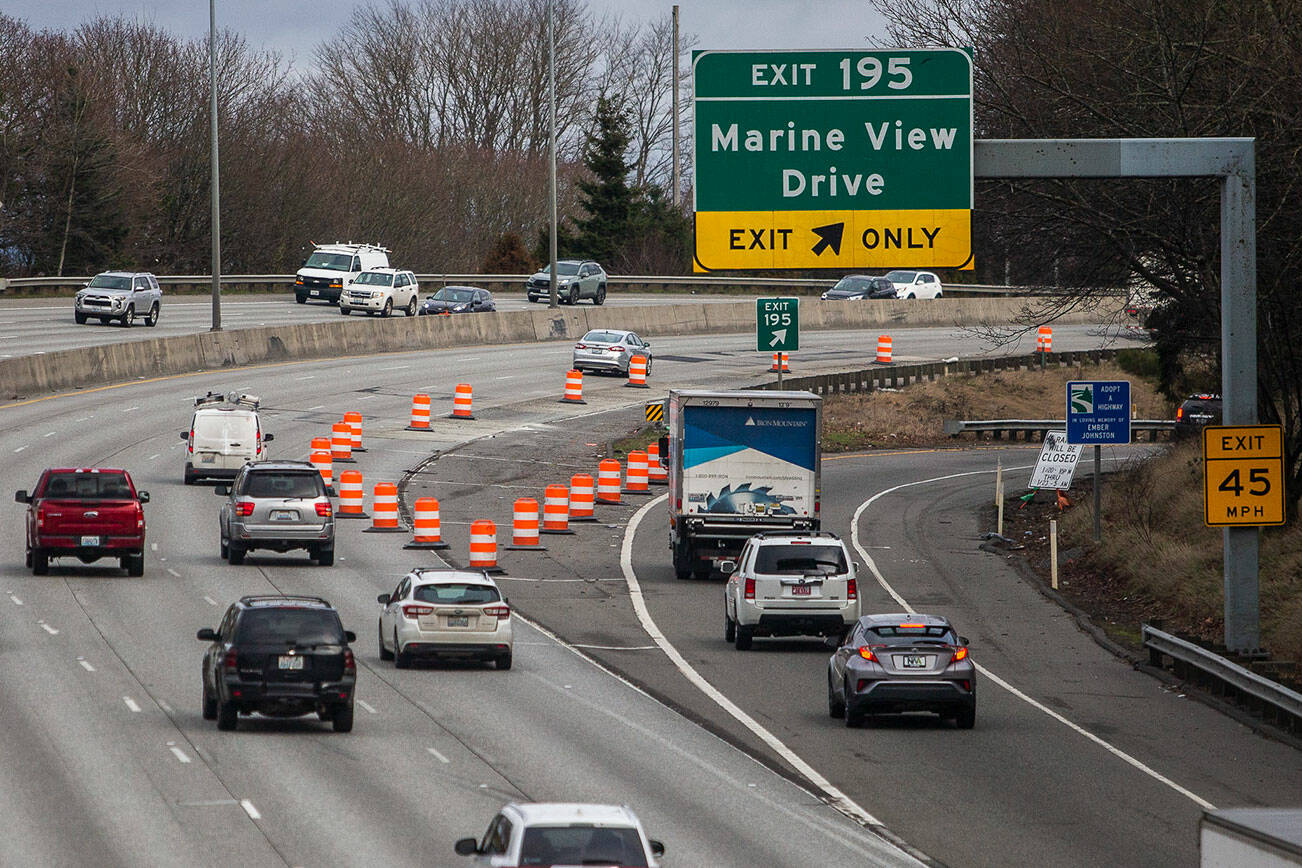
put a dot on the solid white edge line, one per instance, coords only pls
(838, 799)
(250, 810)
(881, 580)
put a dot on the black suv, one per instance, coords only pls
(1197, 412)
(281, 656)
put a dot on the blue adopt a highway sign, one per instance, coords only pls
(1098, 412)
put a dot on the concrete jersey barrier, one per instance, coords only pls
(205, 351)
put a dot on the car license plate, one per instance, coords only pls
(801, 590)
(291, 661)
(915, 661)
(314, 292)
(90, 540)
(284, 515)
(459, 621)
(208, 457)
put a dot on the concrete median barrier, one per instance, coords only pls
(206, 351)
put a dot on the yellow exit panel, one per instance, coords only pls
(1243, 475)
(729, 240)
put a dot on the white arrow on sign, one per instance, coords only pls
(779, 337)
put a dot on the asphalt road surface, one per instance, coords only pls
(29, 325)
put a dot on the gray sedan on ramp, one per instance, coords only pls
(609, 350)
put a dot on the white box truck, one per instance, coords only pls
(739, 463)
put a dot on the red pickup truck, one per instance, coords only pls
(87, 513)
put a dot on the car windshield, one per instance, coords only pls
(913, 634)
(109, 281)
(800, 559)
(453, 295)
(582, 845)
(329, 261)
(456, 594)
(305, 484)
(600, 337)
(901, 276)
(562, 268)
(222, 426)
(374, 278)
(289, 624)
(88, 486)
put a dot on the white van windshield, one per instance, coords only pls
(329, 261)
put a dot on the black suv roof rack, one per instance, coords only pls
(267, 599)
(777, 534)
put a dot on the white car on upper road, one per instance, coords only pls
(789, 584)
(556, 833)
(915, 284)
(445, 613)
(382, 291)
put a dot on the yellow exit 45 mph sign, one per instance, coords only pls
(1243, 475)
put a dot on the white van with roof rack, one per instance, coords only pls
(333, 267)
(225, 434)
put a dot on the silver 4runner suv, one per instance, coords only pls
(277, 505)
(792, 583)
(119, 295)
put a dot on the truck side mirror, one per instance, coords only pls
(207, 634)
(142, 496)
(383, 599)
(657, 847)
(222, 490)
(963, 641)
(185, 435)
(21, 496)
(267, 438)
(467, 847)
(350, 636)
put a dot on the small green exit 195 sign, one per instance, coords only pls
(777, 324)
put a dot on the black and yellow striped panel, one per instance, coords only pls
(655, 412)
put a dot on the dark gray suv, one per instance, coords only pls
(575, 279)
(279, 506)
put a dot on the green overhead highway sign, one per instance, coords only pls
(833, 159)
(777, 324)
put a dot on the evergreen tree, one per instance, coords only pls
(606, 196)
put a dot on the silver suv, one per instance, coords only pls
(792, 583)
(277, 505)
(121, 296)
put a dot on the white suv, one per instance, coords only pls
(382, 291)
(559, 833)
(789, 584)
(437, 612)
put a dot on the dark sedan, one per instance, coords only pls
(459, 299)
(902, 662)
(856, 287)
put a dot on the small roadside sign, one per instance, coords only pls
(777, 324)
(1057, 463)
(1243, 475)
(1098, 412)
(655, 412)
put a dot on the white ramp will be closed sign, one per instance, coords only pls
(1057, 462)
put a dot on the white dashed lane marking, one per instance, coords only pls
(366, 707)
(85, 664)
(438, 756)
(181, 755)
(132, 706)
(17, 602)
(48, 629)
(210, 601)
(250, 810)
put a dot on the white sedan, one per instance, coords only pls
(445, 613)
(915, 284)
(555, 833)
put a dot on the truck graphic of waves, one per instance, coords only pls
(745, 500)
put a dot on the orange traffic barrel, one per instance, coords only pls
(637, 373)
(354, 420)
(427, 532)
(582, 495)
(573, 388)
(883, 349)
(556, 510)
(608, 481)
(320, 458)
(341, 442)
(656, 473)
(1044, 340)
(780, 361)
(524, 525)
(483, 546)
(384, 509)
(461, 402)
(635, 482)
(419, 413)
(351, 502)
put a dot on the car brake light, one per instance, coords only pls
(323, 509)
(851, 590)
(817, 507)
(244, 508)
(800, 542)
(40, 516)
(580, 346)
(190, 444)
(960, 653)
(350, 662)
(912, 626)
(1179, 413)
(140, 516)
(500, 611)
(231, 660)
(617, 349)
(750, 589)
(417, 611)
(867, 653)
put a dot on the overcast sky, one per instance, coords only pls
(295, 28)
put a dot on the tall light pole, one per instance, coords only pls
(216, 188)
(551, 150)
(677, 180)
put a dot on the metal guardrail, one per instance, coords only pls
(1190, 659)
(627, 281)
(1026, 427)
